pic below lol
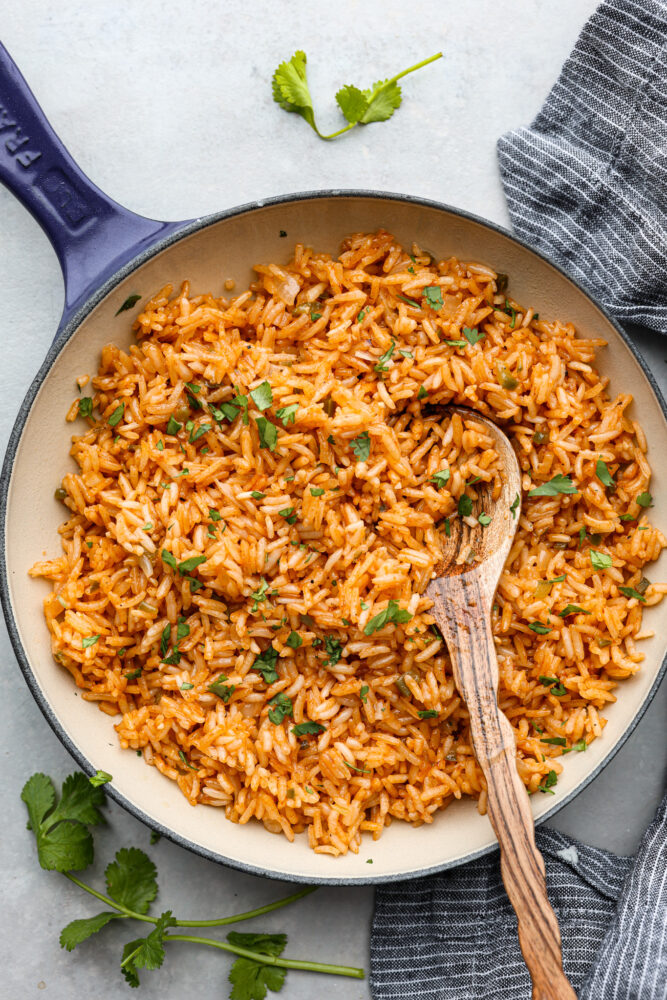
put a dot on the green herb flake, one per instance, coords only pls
(361, 446)
(465, 505)
(256, 495)
(308, 729)
(262, 396)
(173, 426)
(422, 394)
(604, 475)
(287, 414)
(440, 479)
(392, 613)
(221, 689)
(484, 519)
(428, 713)
(281, 708)
(117, 415)
(515, 505)
(645, 500)
(554, 741)
(384, 359)
(433, 296)
(86, 406)
(316, 492)
(631, 592)
(265, 664)
(130, 301)
(214, 515)
(289, 514)
(186, 686)
(410, 302)
(268, 433)
(547, 785)
(363, 693)
(188, 565)
(599, 560)
(472, 335)
(89, 641)
(100, 778)
(572, 609)
(559, 484)
(294, 640)
(539, 628)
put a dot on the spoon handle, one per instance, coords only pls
(467, 631)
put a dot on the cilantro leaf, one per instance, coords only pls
(645, 500)
(65, 847)
(39, 796)
(361, 446)
(599, 560)
(604, 475)
(188, 565)
(78, 930)
(294, 640)
(465, 505)
(572, 609)
(287, 414)
(363, 692)
(631, 592)
(265, 664)
(148, 952)
(281, 707)
(290, 88)
(352, 102)
(440, 478)
(224, 691)
(382, 98)
(514, 506)
(262, 396)
(117, 415)
(381, 365)
(472, 336)
(428, 713)
(250, 979)
(268, 433)
(130, 301)
(539, 628)
(558, 484)
(334, 650)
(85, 406)
(168, 559)
(173, 427)
(308, 729)
(433, 296)
(132, 879)
(100, 778)
(79, 802)
(266, 944)
(392, 613)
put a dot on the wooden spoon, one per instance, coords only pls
(463, 596)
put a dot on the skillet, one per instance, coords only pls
(108, 253)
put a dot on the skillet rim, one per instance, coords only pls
(65, 334)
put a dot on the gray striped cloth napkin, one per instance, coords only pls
(586, 184)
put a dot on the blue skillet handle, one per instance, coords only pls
(92, 235)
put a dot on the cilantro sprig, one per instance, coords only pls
(65, 844)
(359, 107)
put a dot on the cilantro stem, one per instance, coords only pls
(284, 963)
(250, 913)
(218, 922)
(109, 902)
(375, 92)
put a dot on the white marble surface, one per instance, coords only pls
(167, 106)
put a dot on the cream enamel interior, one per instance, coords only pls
(227, 249)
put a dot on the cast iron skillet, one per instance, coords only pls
(108, 253)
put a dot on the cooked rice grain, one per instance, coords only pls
(316, 533)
